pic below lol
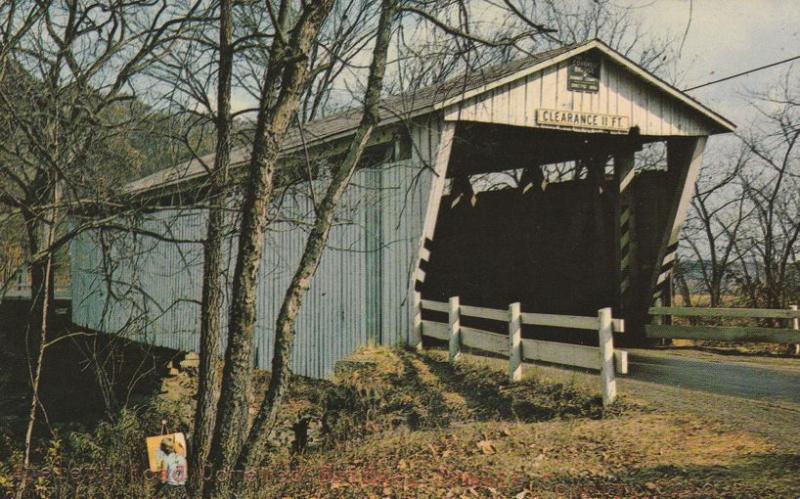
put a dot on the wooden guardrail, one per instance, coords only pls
(605, 358)
(788, 335)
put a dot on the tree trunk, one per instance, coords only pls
(213, 281)
(42, 233)
(288, 67)
(255, 447)
(683, 289)
(42, 282)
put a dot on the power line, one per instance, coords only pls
(790, 59)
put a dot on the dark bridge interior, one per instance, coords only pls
(552, 246)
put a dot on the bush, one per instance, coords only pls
(109, 462)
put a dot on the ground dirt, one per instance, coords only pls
(775, 418)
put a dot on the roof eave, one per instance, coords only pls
(723, 124)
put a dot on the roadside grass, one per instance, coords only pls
(394, 423)
(476, 435)
(643, 454)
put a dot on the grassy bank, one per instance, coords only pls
(394, 423)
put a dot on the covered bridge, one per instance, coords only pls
(533, 181)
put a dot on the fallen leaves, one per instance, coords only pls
(632, 454)
(487, 447)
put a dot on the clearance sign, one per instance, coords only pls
(580, 120)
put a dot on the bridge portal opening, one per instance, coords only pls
(537, 217)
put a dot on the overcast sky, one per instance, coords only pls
(727, 37)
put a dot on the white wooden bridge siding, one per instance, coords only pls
(620, 93)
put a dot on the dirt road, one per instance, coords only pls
(735, 376)
(760, 395)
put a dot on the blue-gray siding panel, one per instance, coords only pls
(358, 295)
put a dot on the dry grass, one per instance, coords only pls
(487, 449)
(401, 424)
(643, 454)
(380, 389)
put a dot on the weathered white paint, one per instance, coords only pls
(428, 215)
(436, 306)
(514, 342)
(454, 328)
(365, 287)
(684, 157)
(621, 94)
(545, 351)
(436, 330)
(556, 320)
(795, 349)
(484, 313)
(608, 383)
(484, 340)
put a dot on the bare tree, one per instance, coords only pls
(213, 279)
(246, 36)
(229, 447)
(719, 211)
(73, 67)
(253, 452)
(285, 78)
(769, 243)
(744, 229)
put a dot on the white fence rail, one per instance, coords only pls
(787, 335)
(603, 358)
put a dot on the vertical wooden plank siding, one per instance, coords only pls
(365, 289)
(358, 295)
(619, 93)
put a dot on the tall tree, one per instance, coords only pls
(770, 243)
(254, 450)
(719, 211)
(285, 79)
(67, 69)
(229, 448)
(213, 279)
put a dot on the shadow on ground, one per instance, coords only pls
(86, 376)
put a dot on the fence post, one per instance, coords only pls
(515, 342)
(606, 338)
(415, 313)
(794, 349)
(454, 324)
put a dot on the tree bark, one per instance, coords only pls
(285, 80)
(213, 282)
(42, 301)
(255, 448)
(41, 194)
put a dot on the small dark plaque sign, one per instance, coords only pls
(583, 74)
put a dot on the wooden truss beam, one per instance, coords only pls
(429, 224)
(684, 157)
